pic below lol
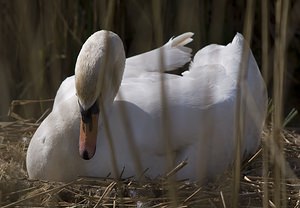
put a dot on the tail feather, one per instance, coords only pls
(181, 40)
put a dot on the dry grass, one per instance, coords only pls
(17, 191)
(41, 42)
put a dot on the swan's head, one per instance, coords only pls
(98, 73)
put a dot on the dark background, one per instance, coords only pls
(40, 40)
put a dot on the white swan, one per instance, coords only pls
(200, 111)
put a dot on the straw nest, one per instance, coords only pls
(17, 191)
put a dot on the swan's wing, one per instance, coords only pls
(216, 61)
(230, 57)
(175, 54)
(211, 83)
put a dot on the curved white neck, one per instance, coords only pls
(99, 69)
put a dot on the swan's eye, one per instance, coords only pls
(95, 108)
(86, 115)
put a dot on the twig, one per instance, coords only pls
(223, 200)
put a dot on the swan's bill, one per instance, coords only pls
(88, 137)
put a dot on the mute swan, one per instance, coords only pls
(73, 141)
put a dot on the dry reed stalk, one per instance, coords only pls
(165, 117)
(265, 70)
(281, 9)
(240, 102)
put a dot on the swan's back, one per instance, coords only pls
(213, 58)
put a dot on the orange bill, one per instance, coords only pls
(88, 137)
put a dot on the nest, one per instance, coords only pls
(255, 179)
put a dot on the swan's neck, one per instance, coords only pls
(99, 69)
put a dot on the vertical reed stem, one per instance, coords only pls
(265, 68)
(240, 103)
(281, 14)
(157, 10)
